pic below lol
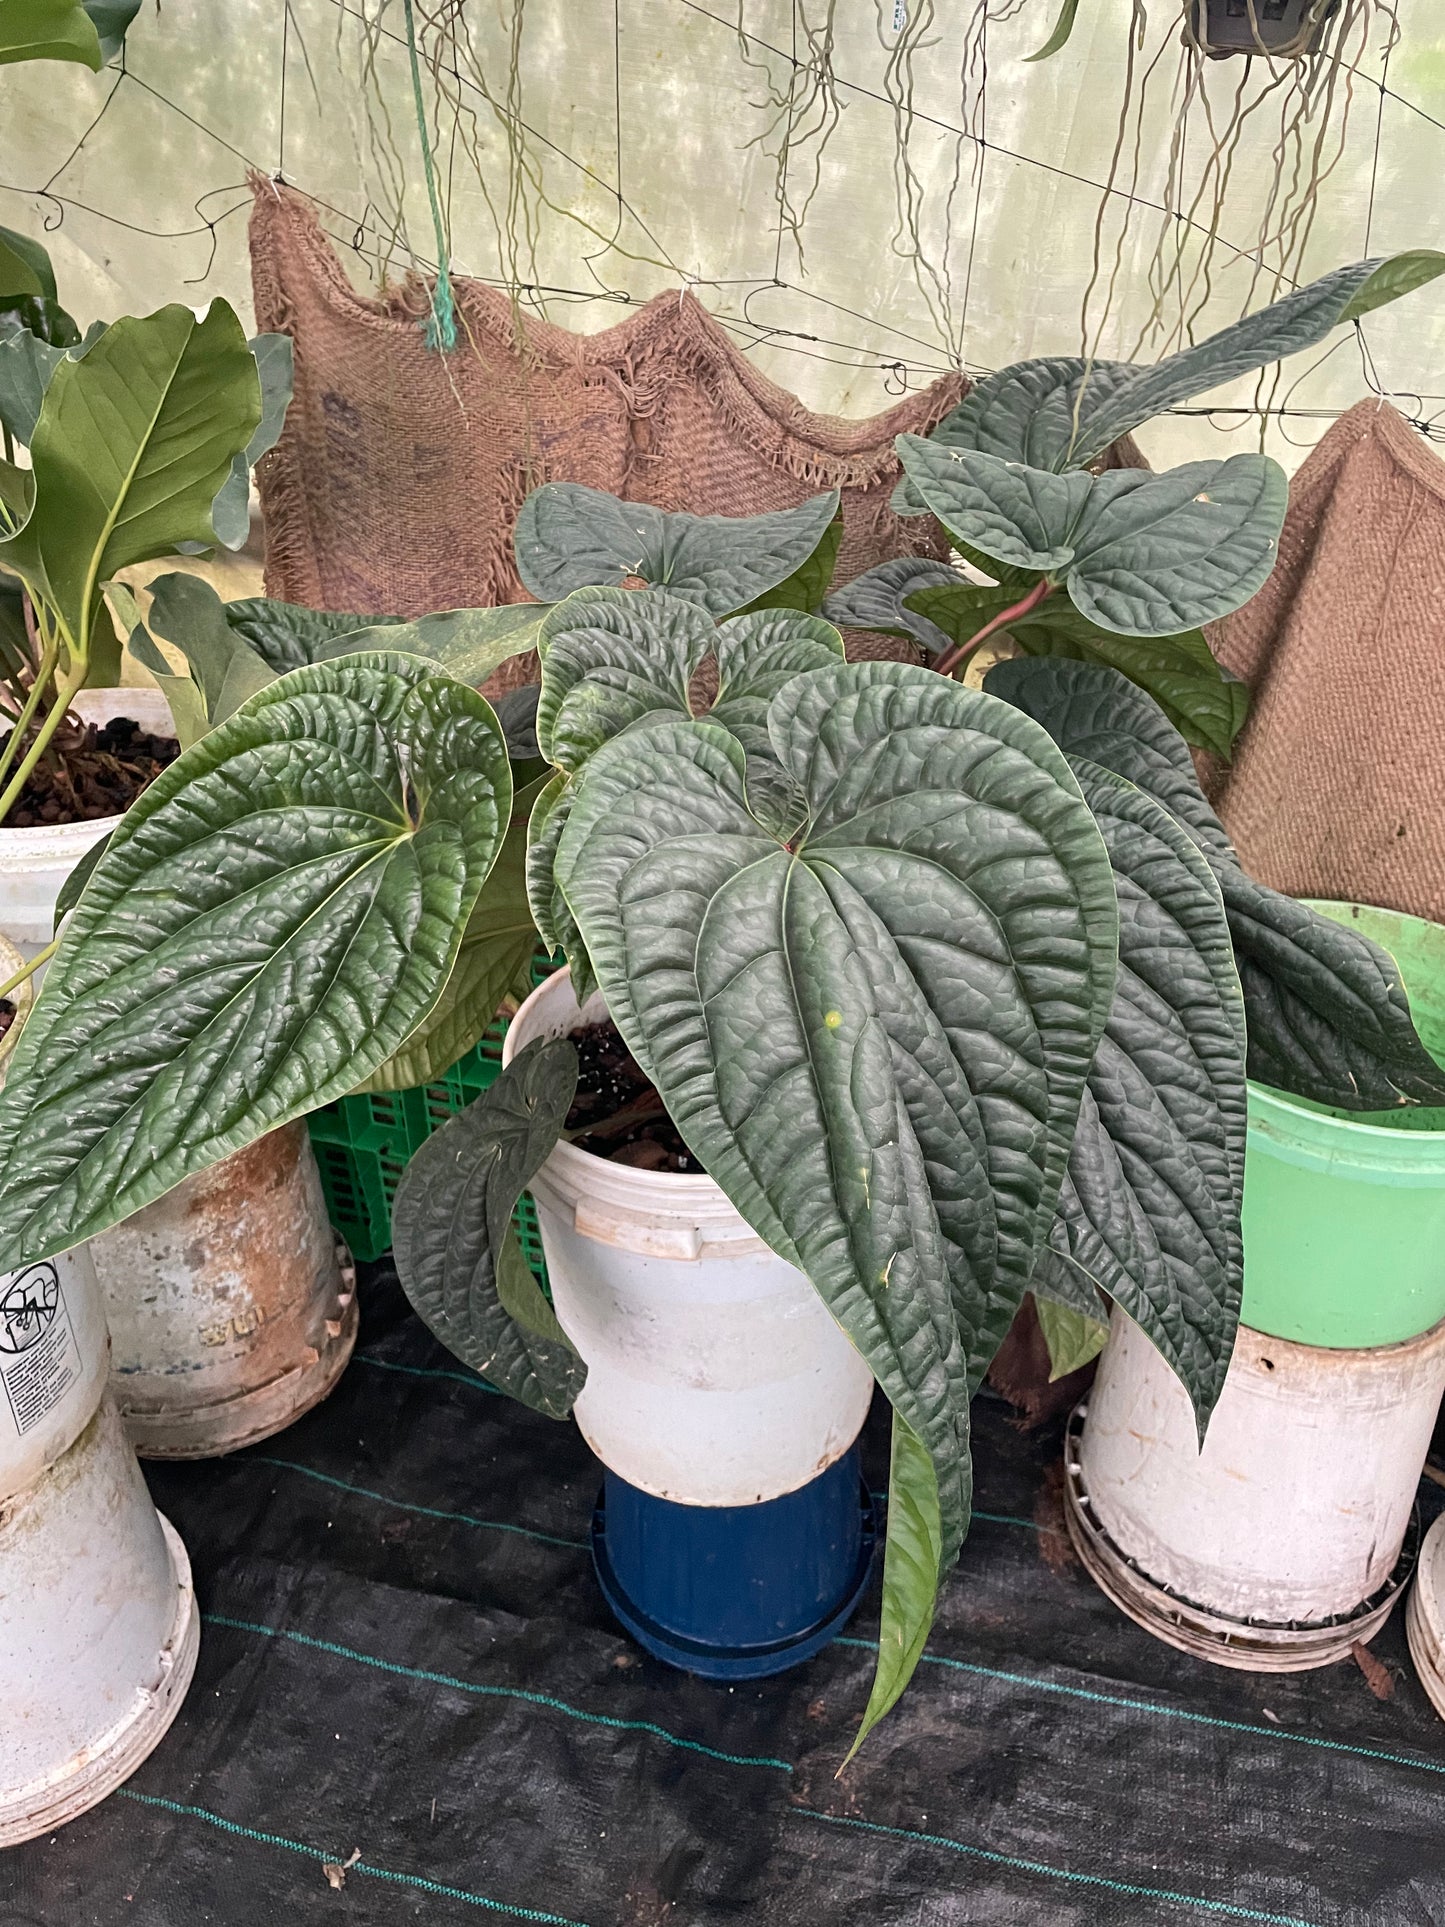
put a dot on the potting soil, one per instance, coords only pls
(411, 1705)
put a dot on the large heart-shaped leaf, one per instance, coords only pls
(570, 537)
(874, 1036)
(231, 510)
(1060, 411)
(1205, 704)
(277, 913)
(1328, 1015)
(1150, 1207)
(132, 444)
(456, 1251)
(1140, 554)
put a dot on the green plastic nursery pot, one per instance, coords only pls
(1344, 1212)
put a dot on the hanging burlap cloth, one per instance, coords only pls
(397, 481)
(1337, 788)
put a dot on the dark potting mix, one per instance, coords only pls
(618, 1113)
(90, 771)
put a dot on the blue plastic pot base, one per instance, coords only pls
(790, 1572)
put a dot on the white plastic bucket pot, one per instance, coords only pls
(1283, 1540)
(733, 1538)
(1425, 1617)
(34, 863)
(232, 1309)
(715, 1374)
(98, 1627)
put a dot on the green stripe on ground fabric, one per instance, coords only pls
(427, 1371)
(495, 1692)
(1159, 1708)
(1017, 1864)
(405, 1505)
(363, 1868)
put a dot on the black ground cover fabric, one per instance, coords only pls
(404, 1653)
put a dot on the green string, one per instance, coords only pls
(441, 325)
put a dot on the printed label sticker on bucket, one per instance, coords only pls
(39, 1357)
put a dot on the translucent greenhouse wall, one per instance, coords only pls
(633, 145)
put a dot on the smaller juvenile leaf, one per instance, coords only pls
(912, 1560)
(231, 510)
(456, 1252)
(611, 657)
(186, 612)
(570, 537)
(1063, 27)
(882, 599)
(24, 267)
(1020, 515)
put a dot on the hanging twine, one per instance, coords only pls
(441, 323)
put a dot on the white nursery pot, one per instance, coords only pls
(1425, 1617)
(34, 863)
(232, 1309)
(1279, 1543)
(715, 1374)
(98, 1627)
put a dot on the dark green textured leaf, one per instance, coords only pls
(1329, 1018)
(74, 884)
(570, 537)
(1097, 714)
(287, 636)
(555, 923)
(609, 657)
(912, 1561)
(1150, 1207)
(876, 599)
(875, 1040)
(806, 587)
(274, 916)
(456, 1252)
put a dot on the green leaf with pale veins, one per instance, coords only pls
(876, 1039)
(274, 916)
(609, 657)
(570, 537)
(456, 1252)
(882, 599)
(287, 636)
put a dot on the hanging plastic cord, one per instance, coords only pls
(441, 324)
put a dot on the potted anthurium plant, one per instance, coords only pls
(933, 1000)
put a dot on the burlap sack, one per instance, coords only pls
(396, 484)
(1337, 788)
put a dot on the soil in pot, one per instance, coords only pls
(616, 1113)
(7, 1015)
(90, 771)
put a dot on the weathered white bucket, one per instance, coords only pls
(98, 1627)
(1280, 1543)
(232, 1309)
(715, 1374)
(35, 863)
(1425, 1616)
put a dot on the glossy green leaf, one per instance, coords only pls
(494, 962)
(1073, 1338)
(456, 1251)
(1205, 704)
(27, 363)
(132, 443)
(70, 891)
(874, 1038)
(806, 587)
(231, 510)
(1394, 276)
(24, 267)
(48, 30)
(186, 612)
(274, 916)
(1063, 27)
(881, 599)
(570, 537)
(1150, 1207)
(913, 1558)
(756, 654)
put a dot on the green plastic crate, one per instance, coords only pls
(363, 1144)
